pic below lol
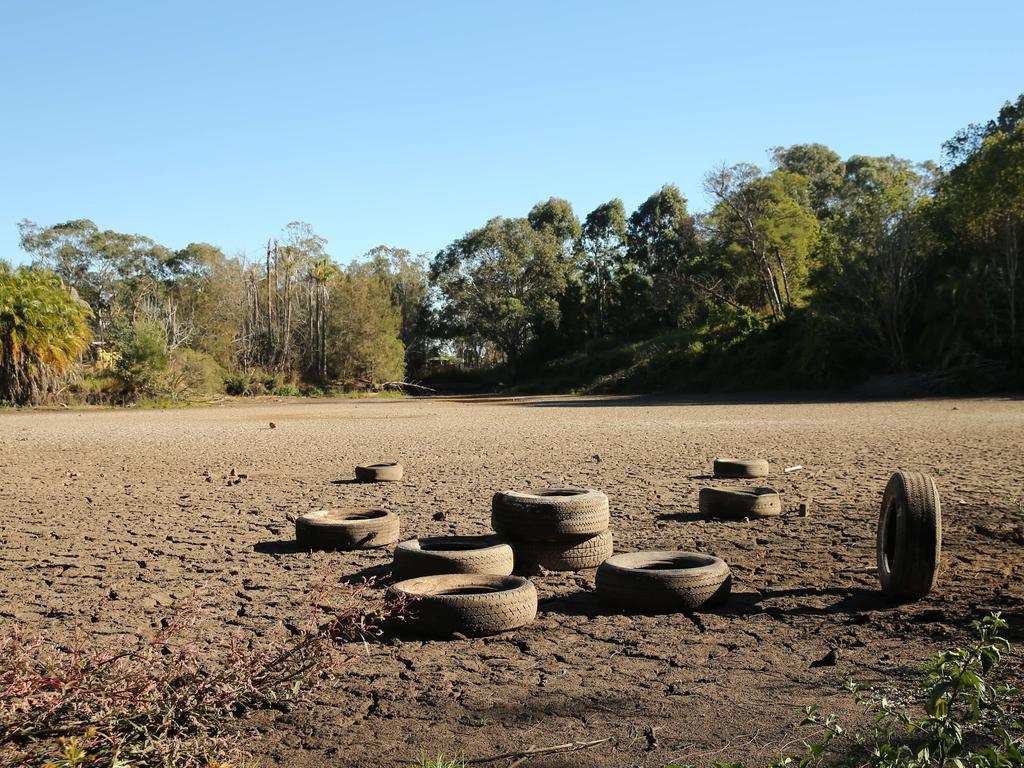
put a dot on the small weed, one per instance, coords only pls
(964, 725)
(441, 762)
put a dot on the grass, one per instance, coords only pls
(441, 762)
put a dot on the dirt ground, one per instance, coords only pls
(107, 519)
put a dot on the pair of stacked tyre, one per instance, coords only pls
(462, 585)
(737, 502)
(554, 529)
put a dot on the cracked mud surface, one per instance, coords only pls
(107, 519)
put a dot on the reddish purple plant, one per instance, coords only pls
(168, 700)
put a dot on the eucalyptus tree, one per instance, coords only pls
(603, 248)
(501, 282)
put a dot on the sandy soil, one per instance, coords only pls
(106, 519)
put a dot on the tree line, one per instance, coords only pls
(828, 267)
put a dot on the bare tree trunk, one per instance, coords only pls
(785, 279)
(1012, 257)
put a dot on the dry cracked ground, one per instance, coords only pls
(107, 519)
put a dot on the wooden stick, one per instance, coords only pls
(520, 756)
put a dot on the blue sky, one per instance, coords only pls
(409, 123)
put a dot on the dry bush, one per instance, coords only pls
(173, 700)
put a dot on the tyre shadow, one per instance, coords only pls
(853, 600)
(379, 574)
(576, 604)
(279, 547)
(682, 517)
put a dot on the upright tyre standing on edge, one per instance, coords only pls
(909, 537)
(470, 604)
(664, 582)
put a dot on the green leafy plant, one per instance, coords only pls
(965, 722)
(44, 327)
(142, 358)
(441, 762)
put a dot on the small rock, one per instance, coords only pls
(828, 660)
(439, 516)
(232, 472)
(597, 458)
(273, 425)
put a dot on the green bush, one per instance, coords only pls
(236, 384)
(286, 389)
(194, 373)
(142, 358)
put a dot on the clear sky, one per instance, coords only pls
(409, 123)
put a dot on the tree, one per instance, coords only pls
(364, 326)
(603, 248)
(502, 281)
(662, 247)
(408, 278)
(142, 357)
(765, 225)
(822, 168)
(322, 273)
(555, 216)
(44, 327)
(877, 250)
(984, 198)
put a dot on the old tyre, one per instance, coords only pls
(909, 538)
(388, 472)
(346, 528)
(741, 468)
(549, 514)
(468, 604)
(664, 582)
(574, 555)
(452, 554)
(737, 503)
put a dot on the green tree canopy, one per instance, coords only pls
(501, 282)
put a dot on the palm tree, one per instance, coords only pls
(44, 327)
(322, 271)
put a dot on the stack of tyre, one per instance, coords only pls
(554, 529)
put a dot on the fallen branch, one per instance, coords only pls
(532, 752)
(407, 384)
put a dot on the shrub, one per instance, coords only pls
(236, 384)
(194, 373)
(142, 358)
(169, 701)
